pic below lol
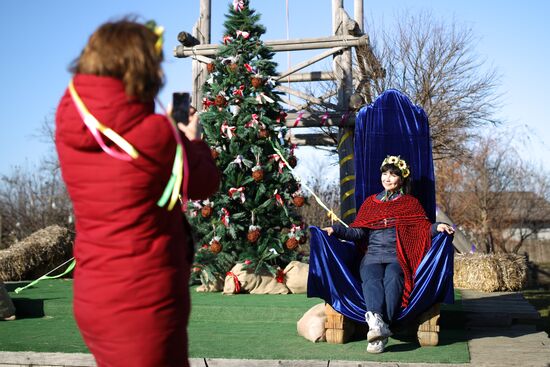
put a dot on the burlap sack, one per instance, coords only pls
(208, 284)
(7, 309)
(296, 276)
(312, 325)
(264, 283)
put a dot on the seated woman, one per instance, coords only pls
(398, 234)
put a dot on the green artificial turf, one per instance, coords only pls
(238, 326)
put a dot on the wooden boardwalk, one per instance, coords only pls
(500, 327)
(501, 330)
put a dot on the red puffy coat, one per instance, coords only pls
(131, 294)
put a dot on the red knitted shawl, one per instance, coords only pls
(412, 229)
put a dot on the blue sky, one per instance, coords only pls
(40, 38)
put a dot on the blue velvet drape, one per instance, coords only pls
(334, 276)
(392, 125)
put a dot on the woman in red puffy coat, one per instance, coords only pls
(131, 294)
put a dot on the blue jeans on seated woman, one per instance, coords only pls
(382, 287)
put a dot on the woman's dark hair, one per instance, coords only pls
(394, 170)
(124, 50)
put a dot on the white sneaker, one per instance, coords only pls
(378, 329)
(377, 346)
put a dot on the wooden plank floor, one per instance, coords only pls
(501, 330)
(497, 308)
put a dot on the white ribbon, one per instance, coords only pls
(240, 190)
(238, 5)
(227, 130)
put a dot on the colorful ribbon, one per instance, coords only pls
(299, 118)
(278, 198)
(317, 199)
(225, 217)
(227, 130)
(238, 5)
(240, 191)
(249, 68)
(46, 276)
(97, 127)
(280, 276)
(207, 103)
(243, 34)
(180, 165)
(277, 158)
(239, 92)
(235, 280)
(282, 116)
(253, 121)
(324, 119)
(260, 98)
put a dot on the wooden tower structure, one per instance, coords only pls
(346, 34)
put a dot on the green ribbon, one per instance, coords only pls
(46, 276)
(171, 186)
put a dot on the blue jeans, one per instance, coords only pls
(382, 288)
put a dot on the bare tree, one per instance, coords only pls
(434, 63)
(498, 199)
(34, 198)
(31, 200)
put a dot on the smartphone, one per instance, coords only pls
(180, 107)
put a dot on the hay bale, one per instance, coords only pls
(490, 272)
(37, 254)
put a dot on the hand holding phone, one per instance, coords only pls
(180, 107)
(192, 130)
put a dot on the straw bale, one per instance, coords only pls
(37, 254)
(490, 272)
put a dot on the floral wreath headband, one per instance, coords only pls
(159, 31)
(400, 163)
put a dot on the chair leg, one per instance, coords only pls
(428, 328)
(339, 330)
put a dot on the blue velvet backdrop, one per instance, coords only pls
(393, 125)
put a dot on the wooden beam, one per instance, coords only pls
(201, 32)
(311, 61)
(309, 119)
(325, 96)
(292, 103)
(311, 76)
(358, 14)
(342, 65)
(336, 18)
(305, 96)
(203, 59)
(312, 139)
(281, 45)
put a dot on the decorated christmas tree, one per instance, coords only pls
(252, 219)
